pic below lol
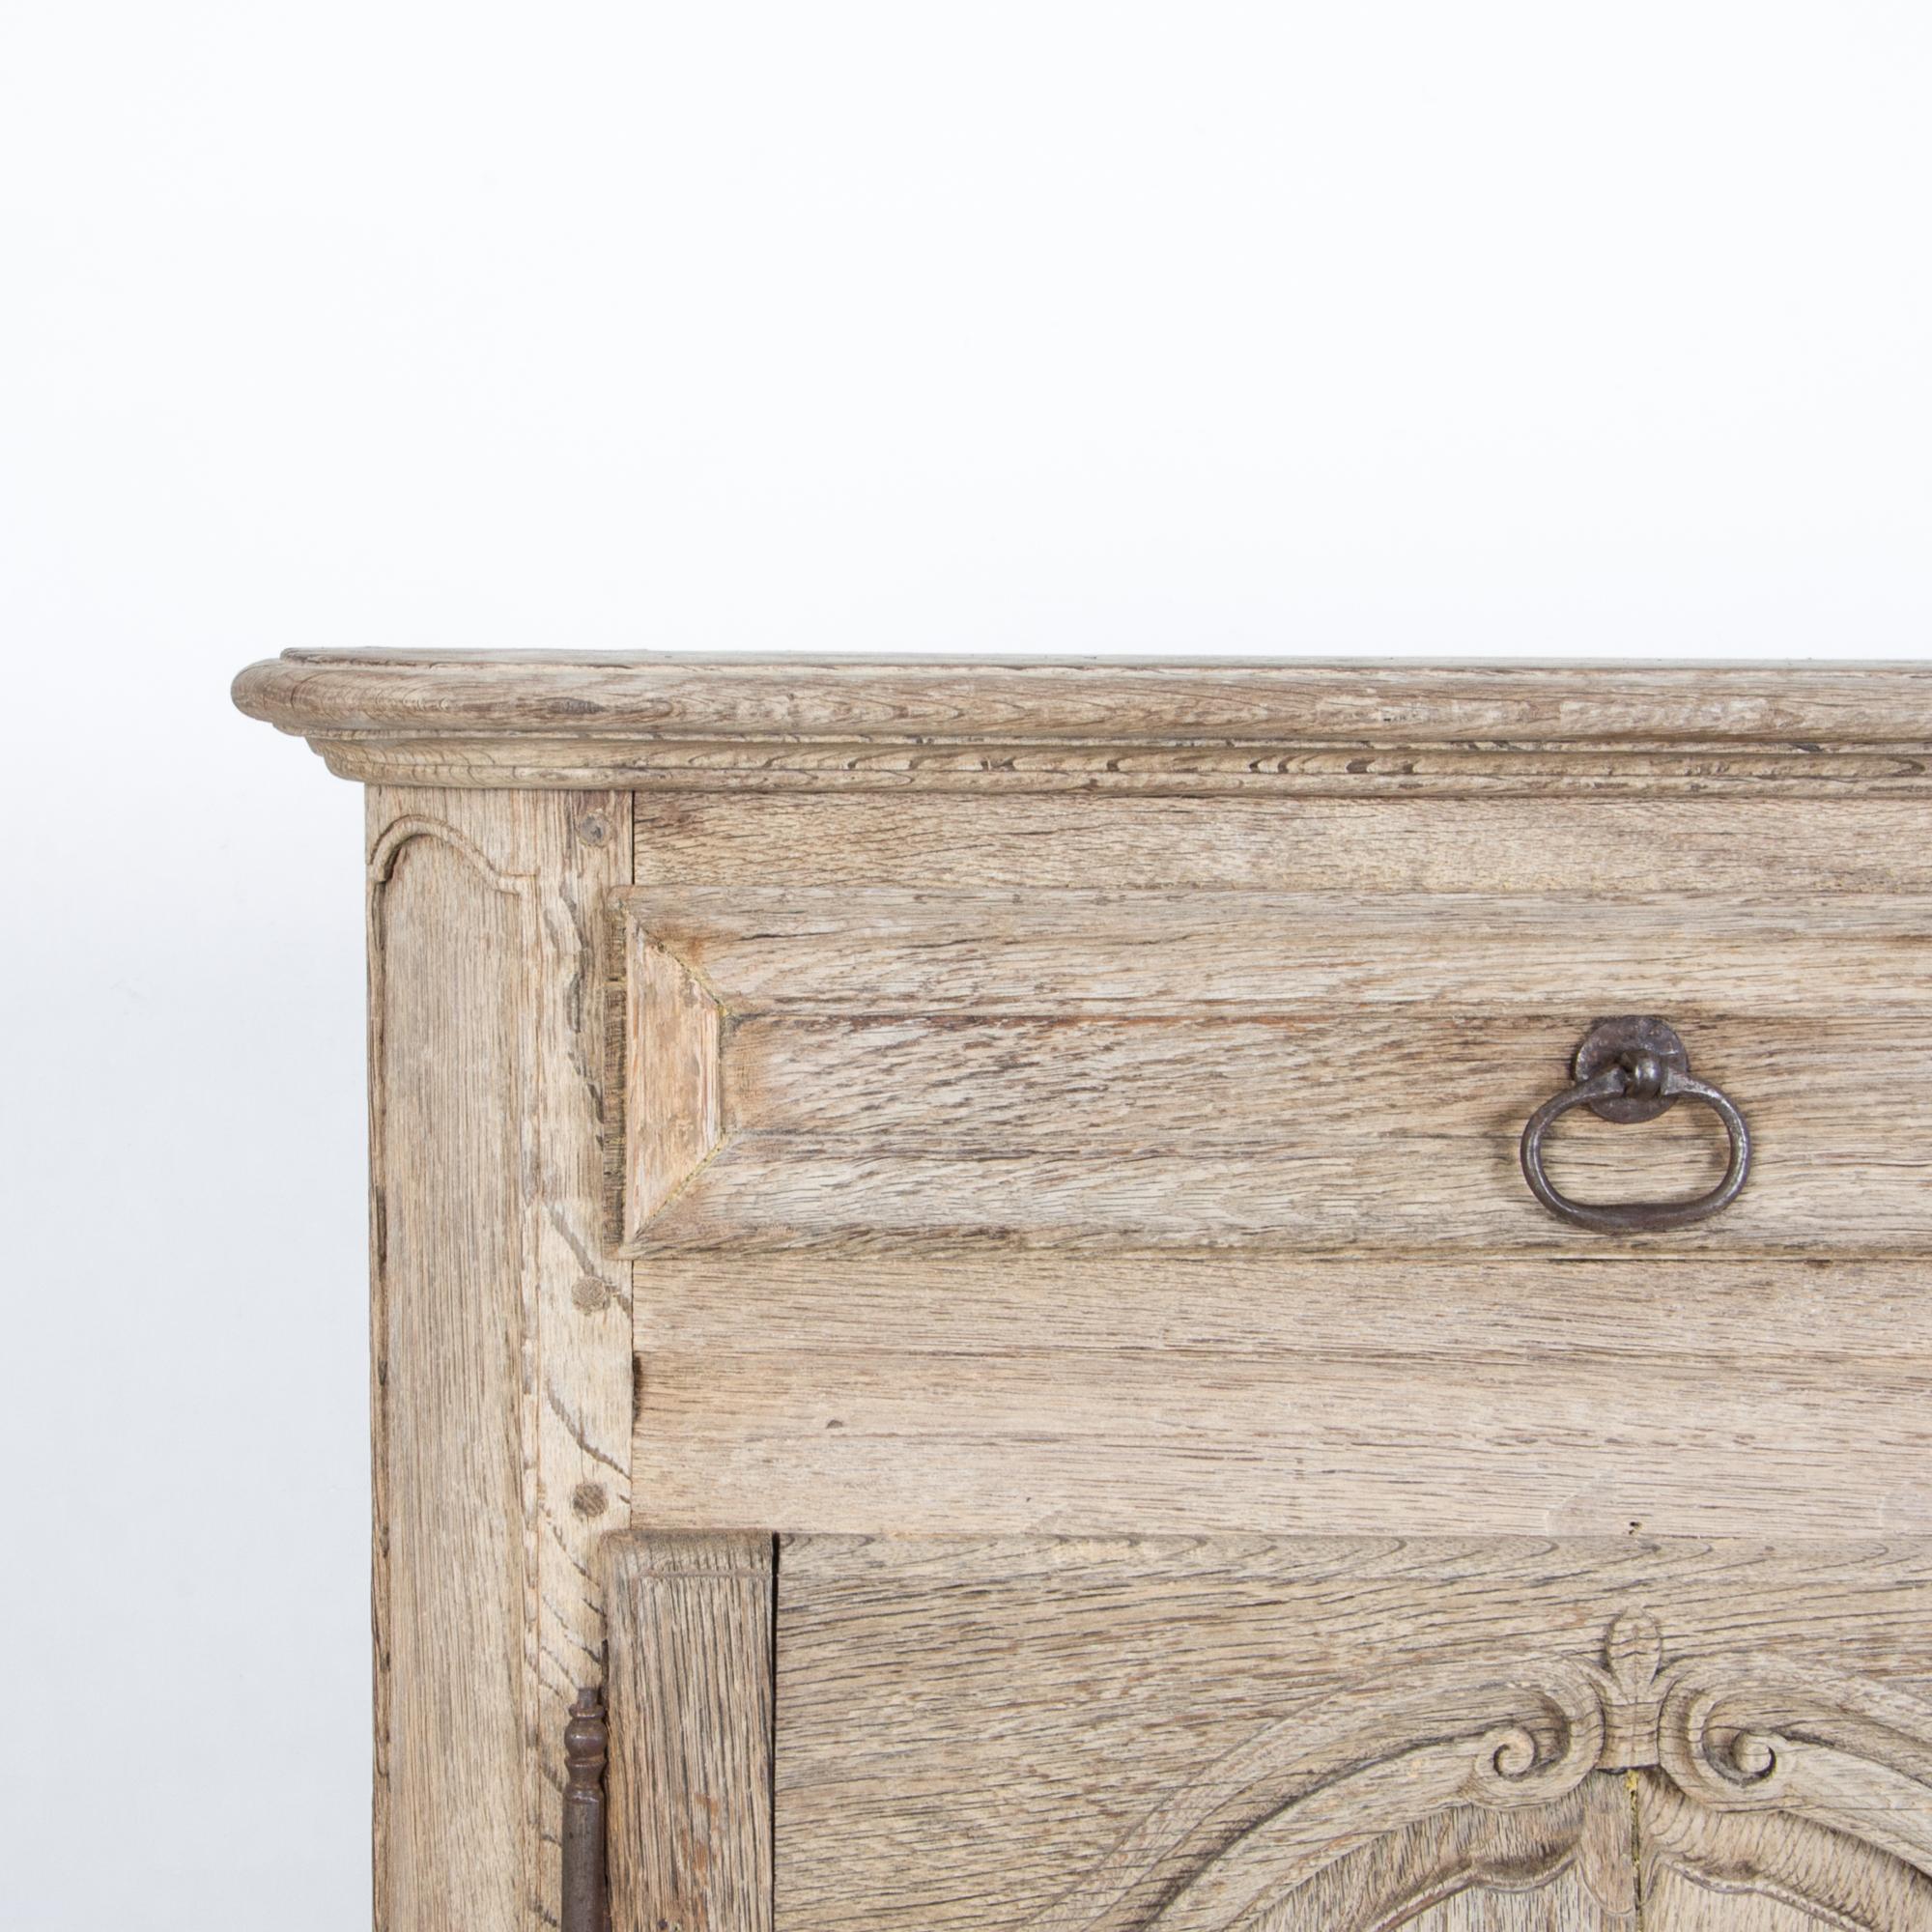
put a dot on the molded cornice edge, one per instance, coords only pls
(1180, 727)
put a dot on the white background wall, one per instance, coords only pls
(1476, 329)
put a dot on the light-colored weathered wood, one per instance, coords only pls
(1818, 1082)
(691, 1701)
(1069, 1067)
(1091, 1737)
(981, 1393)
(452, 1830)
(672, 1076)
(758, 1194)
(1083, 1098)
(1680, 1903)
(780, 765)
(836, 951)
(1594, 848)
(647, 721)
(1306, 1133)
(1766, 1871)
(1561, 1867)
(501, 1337)
(593, 694)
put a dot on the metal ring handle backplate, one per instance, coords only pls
(1627, 1069)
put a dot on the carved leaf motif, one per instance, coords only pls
(1633, 1654)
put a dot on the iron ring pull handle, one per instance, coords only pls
(1629, 1069)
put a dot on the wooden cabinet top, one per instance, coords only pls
(1202, 725)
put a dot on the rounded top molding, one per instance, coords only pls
(597, 720)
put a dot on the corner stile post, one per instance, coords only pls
(501, 1336)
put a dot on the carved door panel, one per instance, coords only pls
(1226, 1734)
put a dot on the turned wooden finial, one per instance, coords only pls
(587, 1739)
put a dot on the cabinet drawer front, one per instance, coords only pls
(1291, 1072)
(1156, 1168)
(1202, 1734)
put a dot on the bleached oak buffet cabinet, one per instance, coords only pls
(1109, 1295)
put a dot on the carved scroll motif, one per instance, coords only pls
(1732, 1733)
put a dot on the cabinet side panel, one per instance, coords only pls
(500, 1340)
(447, 1058)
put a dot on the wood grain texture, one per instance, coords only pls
(978, 1393)
(587, 694)
(501, 1337)
(833, 951)
(1765, 1872)
(691, 1701)
(672, 1076)
(1594, 848)
(1299, 1070)
(453, 1831)
(1051, 1097)
(646, 721)
(1312, 1134)
(1560, 1867)
(759, 767)
(1306, 1736)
